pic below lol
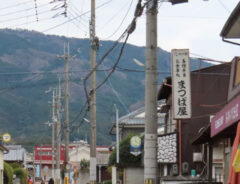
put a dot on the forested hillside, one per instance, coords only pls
(29, 66)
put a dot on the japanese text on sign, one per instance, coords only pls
(181, 84)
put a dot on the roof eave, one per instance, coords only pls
(230, 22)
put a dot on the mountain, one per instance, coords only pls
(29, 66)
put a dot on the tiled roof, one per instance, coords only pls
(16, 153)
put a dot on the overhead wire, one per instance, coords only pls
(121, 23)
(223, 5)
(73, 13)
(200, 57)
(2, 90)
(130, 29)
(117, 95)
(15, 5)
(23, 10)
(115, 15)
(126, 34)
(29, 22)
(58, 25)
(23, 17)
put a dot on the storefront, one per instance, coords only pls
(226, 123)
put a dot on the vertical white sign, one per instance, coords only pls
(181, 86)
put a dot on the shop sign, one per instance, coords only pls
(181, 84)
(229, 115)
(135, 145)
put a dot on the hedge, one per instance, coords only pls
(22, 174)
(8, 173)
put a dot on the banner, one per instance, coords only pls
(181, 84)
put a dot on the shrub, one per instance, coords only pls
(14, 165)
(8, 173)
(84, 164)
(106, 182)
(126, 158)
(22, 174)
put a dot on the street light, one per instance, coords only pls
(85, 119)
(139, 63)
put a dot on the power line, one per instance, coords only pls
(15, 5)
(223, 5)
(34, 21)
(200, 57)
(19, 11)
(51, 72)
(13, 19)
(117, 95)
(121, 23)
(53, 27)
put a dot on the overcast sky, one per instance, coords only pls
(195, 25)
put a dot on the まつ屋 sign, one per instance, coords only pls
(229, 115)
(181, 84)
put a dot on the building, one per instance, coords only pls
(223, 126)
(134, 123)
(43, 160)
(3, 150)
(78, 151)
(208, 96)
(16, 154)
(82, 153)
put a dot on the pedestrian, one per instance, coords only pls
(42, 182)
(30, 180)
(51, 181)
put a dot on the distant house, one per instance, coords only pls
(82, 152)
(134, 122)
(78, 151)
(16, 153)
(3, 150)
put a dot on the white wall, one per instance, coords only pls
(133, 175)
(79, 154)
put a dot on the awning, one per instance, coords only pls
(227, 117)
(231, 28)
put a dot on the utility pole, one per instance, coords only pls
(117, 140)
(150, 142)
(57, 174)
(40, 161)
(53, 133)
(66, 56)
(117, 134)
(93, 38)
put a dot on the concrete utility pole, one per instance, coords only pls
(66, 57)
(53, 133)
(93, 161)
(117, 134)
(40, 161)
(57, 174)
(150, 142)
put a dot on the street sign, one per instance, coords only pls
(181, 84)
(6, 137)
(135, 145)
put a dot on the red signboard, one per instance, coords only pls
(229, 115)
(44, 154)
